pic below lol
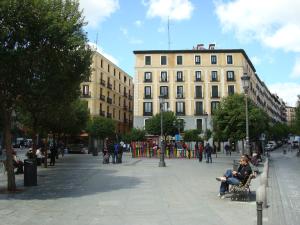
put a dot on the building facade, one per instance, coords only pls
(290, 114)
(109, 93)
(193, 82)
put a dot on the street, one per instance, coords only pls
(82, 190)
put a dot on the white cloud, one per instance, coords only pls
(275, 24)
(172, 9)
(101, 51)
(161, 29)
(255, 60)
(296, 69)
(131, 39)
(287, 91)
(138, 23)
(96, 11)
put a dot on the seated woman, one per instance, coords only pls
(235, 177)
(17, 163)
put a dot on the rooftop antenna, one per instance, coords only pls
(169, 41)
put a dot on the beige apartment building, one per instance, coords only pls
(109, 93)
(290, 114)
(193, 83)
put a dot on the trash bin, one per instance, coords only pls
(30, 172)
(236, 164)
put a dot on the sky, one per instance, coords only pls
(268, 30)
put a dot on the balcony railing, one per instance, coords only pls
(199, 112)
(130, 110)
(198, 96)
(180, 113)
(147, 113)
(109, 85)
(125, 120)
(125, 107)
(125, 94)
(130, 97)
(102, 97)
(109, 100)
(86, 95)
(102, 113)
(179, 96)
(109, 115)
(147, 97)
(102, 82)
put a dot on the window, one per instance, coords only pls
(230, 89)
(214, 76)
(147, 108)
(180, 109)
(197, 59)
(165, 106)
(85, 90)
(179, 60)
(164, 91)
(230, 75)
(214, 91)
(198, 75)
(147, 92)
(213, 59)
(179, 93)
(148, 60)
(163, 76)
(114, 72)
(163, 60)
(229, 59)
(179, 76)
(108, 68)
(198, 92)
(199, 124)
(148, 77)
(214, 106)
(101, 62)
(125, 79)
(199, 108)
(119, 88)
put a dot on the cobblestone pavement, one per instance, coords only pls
(82, 190)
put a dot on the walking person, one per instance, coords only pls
(208, 151)
(115, 153)
(200, 152)
(53, 153)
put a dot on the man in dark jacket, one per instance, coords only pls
(235, 177)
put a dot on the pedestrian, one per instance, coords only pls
(115, 153)
(227, 149)
(208, 151)
(53, 152)
(200, 152)
(120, 153)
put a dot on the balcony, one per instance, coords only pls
(109, 115)
(109, 86)
(130, 97)
(109, 100)
(130, 110)
(147, 113)
(165, 96)
(147, 97)
(102, 113)
(179, 96)
(102, 97)
(180, 113)
(125, 107)
(86, 95)
(198, 113)
(215, 96)
(125, 120)
(199, 96)
(198, 80)
(179, 80)
(125, 94)
(147, 80)
(102, 82)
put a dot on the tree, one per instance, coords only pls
(101, 127)
(229, 119)
(191, 135)
(44, 58)
(153, 125)
(134, 135)
(278, 131)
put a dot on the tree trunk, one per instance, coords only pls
(11, 183)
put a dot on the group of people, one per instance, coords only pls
(113, 150)
(207, 150)
(236, 177)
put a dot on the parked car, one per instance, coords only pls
(295, 144)
(77, 148)
(269, 147)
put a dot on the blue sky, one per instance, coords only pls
(269, 32)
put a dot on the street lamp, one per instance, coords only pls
(162, 152)
(246, 83)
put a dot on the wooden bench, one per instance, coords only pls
(242, 192)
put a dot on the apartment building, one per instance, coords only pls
(290, 114)
(109, 93)
(193, 82)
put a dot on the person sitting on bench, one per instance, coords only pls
(235, 177)
(17, 163)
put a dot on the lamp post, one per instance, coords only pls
(246, 83)
(162, 152)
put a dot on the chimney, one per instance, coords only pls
(211, 46)
(200, 47)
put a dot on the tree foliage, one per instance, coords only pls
(44, 58)
(191, 135)
(134, 135)
(229, 119)
(101, 127)
(153, 125)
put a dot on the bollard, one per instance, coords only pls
(260, 192)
